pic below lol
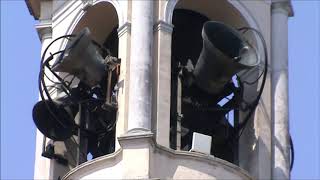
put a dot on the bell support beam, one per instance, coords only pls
(280, 114)
(140, 83)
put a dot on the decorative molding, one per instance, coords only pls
(137, 133)
(163, 26)
(62, 11)
(44, 29)
(282, 6)
(168, 10)
(125, 28)
(238, 5)
(86, 4)
(92, 162)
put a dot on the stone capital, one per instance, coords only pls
(163, 26)
(125, 28)
(44, 29)
(282, 6)
(138, 133)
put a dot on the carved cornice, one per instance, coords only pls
(34, 8)
(138, 133)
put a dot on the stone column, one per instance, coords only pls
(140, 80)
(42, 164)
(279, 58)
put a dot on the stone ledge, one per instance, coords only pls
(167, 158)
(204, 158)
(93, 162)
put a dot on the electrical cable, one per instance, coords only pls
(255, 81)
(292, 153)
(53, 89)
(45, 51)
(65, 86)
(254, 104)
(68, 75)
(69, 83)
(46, 63)
(44, 89)
(245, 29)
(244, 74)
(50, 79)
(41, 83)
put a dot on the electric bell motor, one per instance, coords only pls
(225, 52)
(82, 59)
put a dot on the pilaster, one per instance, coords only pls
(280, 114)
(162, 82)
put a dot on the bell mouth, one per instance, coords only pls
(56, 123)
(230, 43)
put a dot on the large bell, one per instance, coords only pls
(55, 119)
(82, 59)
(225, 52)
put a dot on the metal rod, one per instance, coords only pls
(179, 111)
(60, 79)
(108, 95)
(44, 141)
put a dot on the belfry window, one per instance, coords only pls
(193, 109)
(208, 63)
(78, 111)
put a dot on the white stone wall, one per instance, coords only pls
(141, 158)
(145, 30)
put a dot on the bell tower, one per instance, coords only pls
(162, 89)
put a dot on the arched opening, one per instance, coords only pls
(192, 109)
(95, 136)
(101, 19)
(103, 22)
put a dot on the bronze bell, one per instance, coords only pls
(225, 52)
